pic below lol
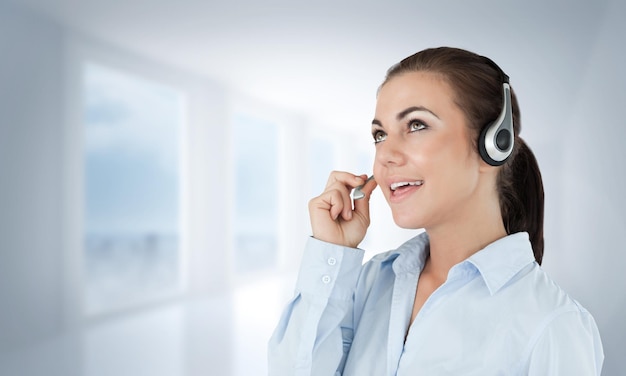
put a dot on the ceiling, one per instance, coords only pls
(326, 58)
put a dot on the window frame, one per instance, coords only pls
(80, 51)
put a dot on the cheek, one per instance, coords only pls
(432, 157)
(377, 170)
(460, 178)
(453, 165)
(457, 151)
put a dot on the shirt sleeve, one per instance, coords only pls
(569, 345)
(315, 331)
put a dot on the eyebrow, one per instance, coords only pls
(402, 114)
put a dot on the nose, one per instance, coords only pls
(390, 152)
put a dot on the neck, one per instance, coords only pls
(452, 243)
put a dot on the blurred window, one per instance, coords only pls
(255, 144)
(131, 180)
(322, 162)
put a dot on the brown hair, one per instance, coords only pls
(477, 84)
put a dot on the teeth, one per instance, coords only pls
(399, 184)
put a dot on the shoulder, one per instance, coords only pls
(533, 302)
(561, 328)
(535, 298)
(566, 336)
(512, 275)
(553, 327)
(547, 295)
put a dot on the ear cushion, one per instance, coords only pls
(482, 148)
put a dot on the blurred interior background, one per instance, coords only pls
(157, 157)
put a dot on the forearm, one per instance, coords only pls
(315, 330)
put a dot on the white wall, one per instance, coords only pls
(31, 159)
(589, 262)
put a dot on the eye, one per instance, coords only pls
(379, 136)
(416, 125)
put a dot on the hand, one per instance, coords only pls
(333, 219)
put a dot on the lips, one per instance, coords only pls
(402, 184)
(401, 188)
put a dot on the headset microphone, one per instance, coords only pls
(496, 139)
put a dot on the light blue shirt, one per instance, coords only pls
(498, 313)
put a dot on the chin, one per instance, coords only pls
(407, 221)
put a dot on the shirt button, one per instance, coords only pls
(326, 279)
(332, 261)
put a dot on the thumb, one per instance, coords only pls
(362, 206)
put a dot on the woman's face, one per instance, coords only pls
(425, 164)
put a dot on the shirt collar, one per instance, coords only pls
(501, 260)
(410, 256)
(497, 263)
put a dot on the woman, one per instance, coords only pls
(468, 295)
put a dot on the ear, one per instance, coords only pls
(486, 168)
(483, 166)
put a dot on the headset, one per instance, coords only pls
(496, 139)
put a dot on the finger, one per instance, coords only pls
(346, 207)
(336, 202)
(362, 206)
(369, 186)
(345, 178)
(346, 202)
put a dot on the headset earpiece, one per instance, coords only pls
(495, 143)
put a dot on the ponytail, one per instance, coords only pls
(521, 196)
